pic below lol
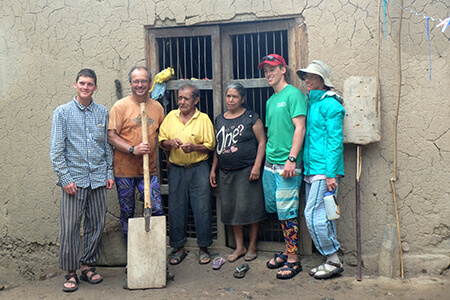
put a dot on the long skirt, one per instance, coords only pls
(241, 200)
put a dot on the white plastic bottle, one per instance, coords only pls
(331, 207)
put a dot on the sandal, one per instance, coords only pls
(218, 263)
(234, 257)
(84, 276)
(327, 269)
(240, 272)
(177, 258)
(290, 267)
(277, 264)
(204, 258)
(68, 278)
(250, 257)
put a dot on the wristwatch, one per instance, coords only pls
(292, 158)
(131, 150)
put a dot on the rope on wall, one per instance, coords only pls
(395, 172)
(377, 100)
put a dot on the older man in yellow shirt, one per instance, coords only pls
(188, 135)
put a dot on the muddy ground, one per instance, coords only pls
(195, 281)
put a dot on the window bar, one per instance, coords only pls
(233, 56)
(166, 53)
(238, 60)
(163, 52)
(281, 43)
(253, 53)
(261, 100)
(258, 47)
(244, 50)
(253, 99)
(178, 59)
(207, 103)
(191, 63)
(267, 46)
(169, 47)
(185, 58)
(171, 57)
(198, 56)
(204, 57)
(273, 41)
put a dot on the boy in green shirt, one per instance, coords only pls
(282, 176)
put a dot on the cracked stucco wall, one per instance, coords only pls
(44, 43)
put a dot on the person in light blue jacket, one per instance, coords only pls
(323, 160)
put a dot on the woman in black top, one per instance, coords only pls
(239, 155)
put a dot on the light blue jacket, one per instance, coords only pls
(323, 152)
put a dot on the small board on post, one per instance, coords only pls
(362, 122)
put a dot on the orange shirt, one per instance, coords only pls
(125, 118)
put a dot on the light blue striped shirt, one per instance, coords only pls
(79, 148)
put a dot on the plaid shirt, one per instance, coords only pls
(79, 148)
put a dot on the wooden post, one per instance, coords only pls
(358, 223)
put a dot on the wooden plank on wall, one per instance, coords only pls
(200, 84)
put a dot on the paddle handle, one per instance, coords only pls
(145, 158)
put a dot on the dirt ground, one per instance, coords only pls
(195, 281)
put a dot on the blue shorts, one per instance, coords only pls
(281, 195)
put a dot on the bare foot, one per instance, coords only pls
(238, 253)
(251, 251)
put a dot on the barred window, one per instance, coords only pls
(211, 57)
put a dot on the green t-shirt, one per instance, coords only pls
(281, 108)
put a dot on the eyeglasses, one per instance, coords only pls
(143, 82)
(311, 77)
(272, 58)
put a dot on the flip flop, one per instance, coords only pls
(202, 257)
(277, 264)
(250, 257)
(240, 272)
(178, 258)
(218, 263)
(233, 257)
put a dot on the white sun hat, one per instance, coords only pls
(319, 68)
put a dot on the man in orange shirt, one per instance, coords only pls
(125, 134)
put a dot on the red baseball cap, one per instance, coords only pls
(273, 60)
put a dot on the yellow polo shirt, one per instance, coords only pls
(198, 130)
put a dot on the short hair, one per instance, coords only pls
(195, 91)
(87, 73)
(238, 87)
(143, 68)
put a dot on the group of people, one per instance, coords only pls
(304, 143)
(92, 150)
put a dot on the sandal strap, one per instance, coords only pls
(328, 266)
(91, 269)
(292, 265)
(244, 267)
(70, 276)
(280, 255)
(337, 265)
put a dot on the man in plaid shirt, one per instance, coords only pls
(82, 159)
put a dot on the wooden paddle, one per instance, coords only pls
(147, 202)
